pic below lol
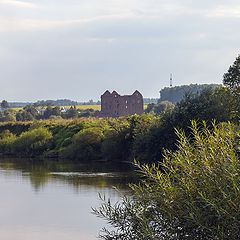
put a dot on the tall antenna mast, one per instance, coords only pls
(171, 80)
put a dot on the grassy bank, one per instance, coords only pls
(80, 139)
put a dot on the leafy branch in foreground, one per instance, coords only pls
(193, 194)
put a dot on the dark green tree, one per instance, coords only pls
(4, 104)
(231, 78)
(51, 111)
(32, 110)
(24, 115)
(72, 112)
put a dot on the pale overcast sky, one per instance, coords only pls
(77, 49)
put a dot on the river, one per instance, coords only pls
(52, 201)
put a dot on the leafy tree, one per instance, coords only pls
(6, 141)
(51, 111)
(193, 195)
(87, 113)
(86, 145)
(160, 107)
(118, 140)
(232, 77)
(24, 115)
(32, 110)
(9, 116)
(4, 104)
(33, 142)
(219, 104)
(72, 112)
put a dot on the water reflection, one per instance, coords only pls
(49, 200)
(79, 176)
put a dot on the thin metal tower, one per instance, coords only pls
(171, 80)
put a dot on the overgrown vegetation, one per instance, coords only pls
(141, 137)
(193, 194)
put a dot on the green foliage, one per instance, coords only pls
(86, 145)
(7, 116)
(219, 104)
(193, 194)
(159, 108)
(32, 143)
(63, 135)
(141, 137)
(4, 104)
(232, 78)
(14, 127)
(117, 141)
(178, 93)
(72, 112)
(24, 115)
(6, 141)
(51, 111)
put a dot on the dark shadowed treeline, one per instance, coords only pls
(177, 93)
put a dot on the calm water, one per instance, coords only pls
(52, 201)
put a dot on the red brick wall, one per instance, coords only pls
(114, 105)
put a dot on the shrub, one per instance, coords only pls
(86, 145)
(6, 141)
(193, 194)
(118, 139)
(33, 142)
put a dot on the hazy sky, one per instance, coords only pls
(79, 48)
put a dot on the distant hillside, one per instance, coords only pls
(176, 94)
(150, 100)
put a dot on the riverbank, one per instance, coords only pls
(123, 139)
(91, 139)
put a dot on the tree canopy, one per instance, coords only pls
(231, 78)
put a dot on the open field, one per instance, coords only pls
(80, 107)
(84, 107)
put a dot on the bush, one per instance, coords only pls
(86, 145)
(117, 140)
(193, 194)
(33, 142)
(6, 141)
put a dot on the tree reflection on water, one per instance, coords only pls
(97, 175)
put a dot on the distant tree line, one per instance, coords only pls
(58, 102)
(177, 93)
(32, 112)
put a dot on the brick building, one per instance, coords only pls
(115, 105)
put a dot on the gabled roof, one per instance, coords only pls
(114, 92)
(137, 93)
(106, 93)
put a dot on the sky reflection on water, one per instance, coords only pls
(40, 201)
